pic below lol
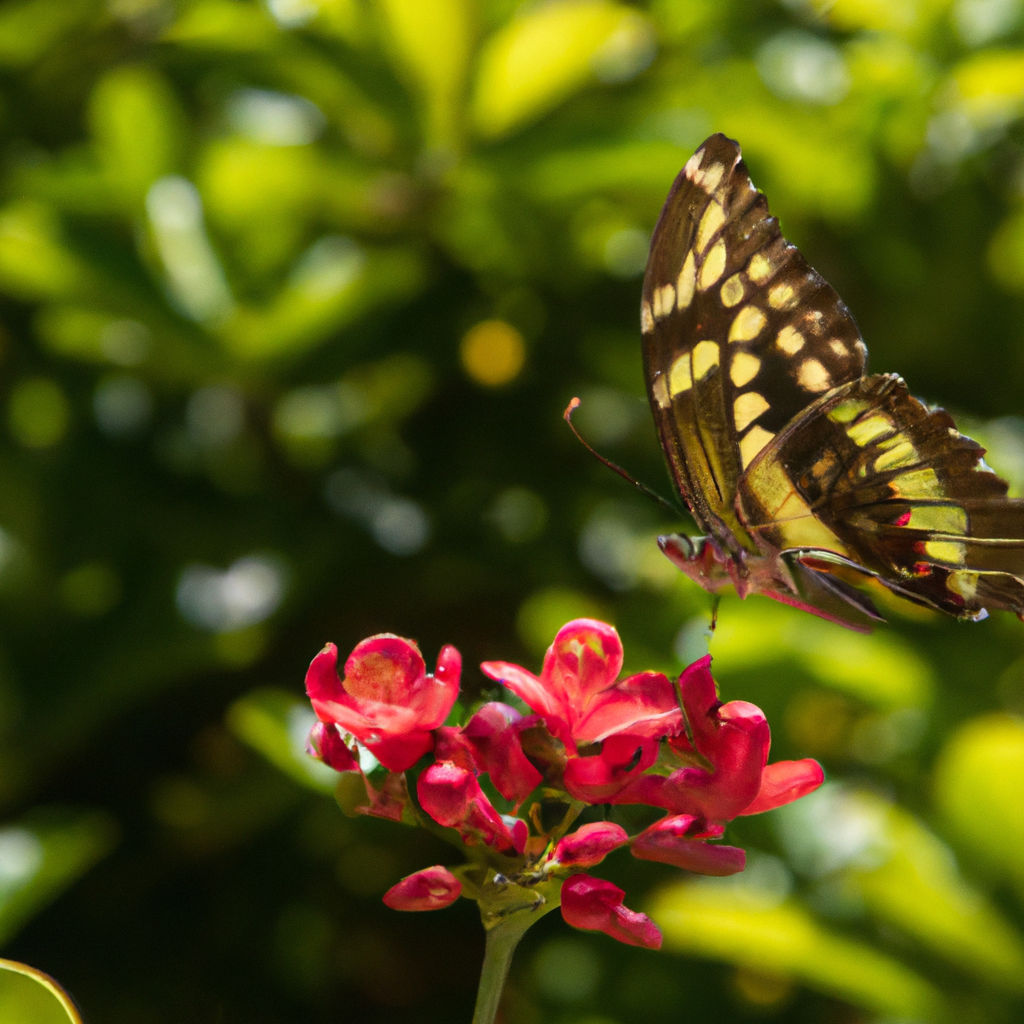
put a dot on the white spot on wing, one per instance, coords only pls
(664, 301)
(710, 224)
(660, 390)
(782, 296)
(732, 291)
(706, 355)
(747, 324)
(646, 317)
(747, 408)
(711, 176)
(743, 368)
(685, 284)
(714, 265)
(679, 377)
(812, 376)
(790, 340)
(752, 443)
(760, 268)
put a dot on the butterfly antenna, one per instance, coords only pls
(643, 488)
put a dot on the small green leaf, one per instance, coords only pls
(28, 996)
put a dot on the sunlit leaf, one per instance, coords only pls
(29, 27)
(34, 260)
(276, 724)
(332, 285)
(224, 25)
(546, 54)
(28, 996)
(979, 779)
(432, 44)
(737, 924)
(990, 86)
(885, 859)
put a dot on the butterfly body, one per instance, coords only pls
(805, 475)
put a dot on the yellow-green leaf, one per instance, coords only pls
(539, 58)
(28, 996)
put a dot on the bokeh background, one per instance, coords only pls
(293, 294)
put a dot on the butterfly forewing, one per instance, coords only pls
(740, 333)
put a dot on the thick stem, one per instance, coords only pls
(501, 944)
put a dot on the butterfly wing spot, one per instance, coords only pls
(747, 324)
(782, 296)
(743, 368)
(714, 266)
(752, 442)
(747, 407)
(848, 411)
(869, 429)
(839, 347)
(692, 165)
(706, 356)
(732, 291)
(646, 318)
(790, 340)
(664, 301)
(710, 224)
(710, 177)
(938, 519)
(901, 453)
(661, 388)
(812, 376)
(680, 378)
(760, 268)
(949, 552)
(686, 281)
(813, 321)
(964, 584)
(918, 483)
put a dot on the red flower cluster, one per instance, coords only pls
(593, 738)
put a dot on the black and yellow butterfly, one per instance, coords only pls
(804, 473)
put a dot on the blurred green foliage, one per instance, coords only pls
(292, 295)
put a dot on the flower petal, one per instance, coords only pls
(524, 685)
(584, 659)
(642, 705)
(494, 732)
(596, 905)
(434, 695)
(786, 781)
(402, 751)
(325, 744)
(598, 778)
(589, 845)
(453, 798)
(675, 841)
(384, 669)
(430, 889)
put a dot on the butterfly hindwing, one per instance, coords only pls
(740, 333)
(901, 490)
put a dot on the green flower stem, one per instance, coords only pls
(507, 910)
(501, 944)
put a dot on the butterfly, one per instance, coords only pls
(805, 475)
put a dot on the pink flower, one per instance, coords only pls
(453, 798)
(430, 889)
(490, 742)
(596, 905)
(588, 845)
(386, 700)
(325, 744)
(581, 703)
(680, 840)
(732, 740)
